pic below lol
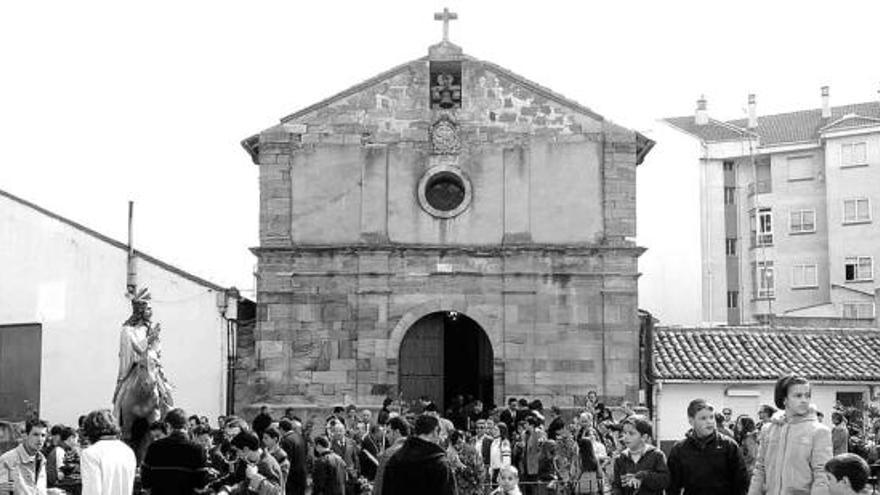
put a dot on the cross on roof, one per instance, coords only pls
(445, 16)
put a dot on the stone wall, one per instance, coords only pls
(349, 260)
(330, 321)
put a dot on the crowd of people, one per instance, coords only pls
(469, 449)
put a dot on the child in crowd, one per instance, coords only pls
(847, 475)
(640, 468)
(508, 482)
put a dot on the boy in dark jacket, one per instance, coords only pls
(641, 468)
(420, 465)
(706, 462)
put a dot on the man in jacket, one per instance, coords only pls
(174, 464)
(23, 469)
(420, 465)
(271, 443)
(328, 473)
(398, 432)
(508, 416)
(532, 439)
(345, 448)
(294, 445)
(706, 462)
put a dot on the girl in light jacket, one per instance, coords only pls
(499, 451)
(795, 446)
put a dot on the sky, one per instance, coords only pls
(102, 102)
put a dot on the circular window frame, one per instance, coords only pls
(444, 170)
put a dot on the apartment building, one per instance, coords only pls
(787, 212)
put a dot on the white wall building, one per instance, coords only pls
(785, 216)
(737, 367)
(62, 305)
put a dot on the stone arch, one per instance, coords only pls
(486, 321)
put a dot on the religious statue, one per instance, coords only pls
(143, 394)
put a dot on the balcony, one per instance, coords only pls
(764, 187)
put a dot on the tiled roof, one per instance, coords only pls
(749, 353)
(782, 128)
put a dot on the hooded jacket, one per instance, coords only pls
(792, 456)
(707, 466)
(418, 467)
(650, 469)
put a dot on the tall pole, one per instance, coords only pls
(131, 278)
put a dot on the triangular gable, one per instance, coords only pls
(849, 121)
(373, 104)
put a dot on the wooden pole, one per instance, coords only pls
(131, 278)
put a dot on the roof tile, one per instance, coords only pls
(750, 353)
(792, 127)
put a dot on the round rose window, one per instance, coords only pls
(444, 191)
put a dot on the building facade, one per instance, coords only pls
(446, 228)
(62, 305)
(786, 213)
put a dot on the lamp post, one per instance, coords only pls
(227, 304)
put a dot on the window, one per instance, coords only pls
(800, 168)
(761, 227)
(858, 268)
(730, 246)
(850, 399)
(764, 280)
(729, 195)
(802, 221)
(856, 210)
(732, 299)
(858, 310)
(804, 276)
(853, 154)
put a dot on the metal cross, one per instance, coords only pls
(445, 16)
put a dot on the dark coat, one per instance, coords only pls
(710, 466)
(174, 465)
(508, 418)
(294, 445)
(651, 470)
(348, 451)
(328, 474)
(369, 457)
(418, 467)
(261, 422)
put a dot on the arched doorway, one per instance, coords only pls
(444, 355)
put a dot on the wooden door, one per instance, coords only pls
(20, 363)
(421, 361)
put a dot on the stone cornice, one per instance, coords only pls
(474, 250)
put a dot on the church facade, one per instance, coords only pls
(446, 228)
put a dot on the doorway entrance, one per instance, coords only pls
(20, 362)
(444, 355)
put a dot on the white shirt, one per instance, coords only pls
(499, 454)
(108, 468)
